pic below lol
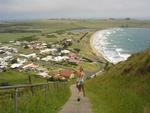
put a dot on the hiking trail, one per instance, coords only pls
(73, 106)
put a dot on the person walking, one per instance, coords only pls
(80, 82)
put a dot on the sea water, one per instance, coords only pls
(118, 44)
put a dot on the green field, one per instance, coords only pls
(15, 30)
(14, 77)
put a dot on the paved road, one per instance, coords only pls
(73, 106)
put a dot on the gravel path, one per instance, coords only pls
(73, 106)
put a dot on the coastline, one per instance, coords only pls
(93, 48)
(118, 53)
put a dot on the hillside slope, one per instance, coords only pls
(123, 88)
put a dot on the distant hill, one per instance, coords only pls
(124, 87)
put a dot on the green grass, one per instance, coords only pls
(14, 77)
(119, 92)
(4, 37)
(37, 103)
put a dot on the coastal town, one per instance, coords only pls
(33, 57)
(74, 56)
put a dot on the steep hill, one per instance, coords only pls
(123, 88)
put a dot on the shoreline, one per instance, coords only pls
(98, 54)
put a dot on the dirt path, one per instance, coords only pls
(73, 106)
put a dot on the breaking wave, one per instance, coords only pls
(102, 44)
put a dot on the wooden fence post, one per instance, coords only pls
(30, 82)
(46, 93)
(15, 100)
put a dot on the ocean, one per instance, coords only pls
(118, 44)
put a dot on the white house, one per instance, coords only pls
(18, 43)
(19, 64)
(60, 58)
(65, 51)
(48, 58)
(43, 74)
(16, 65)
(45, 51)
(33, 55)
(31, 66)
(21, 60)
(3, 63)
(7, 53)
(7, 58)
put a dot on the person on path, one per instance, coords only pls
(80, 82)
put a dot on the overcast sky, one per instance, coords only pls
(32, 9)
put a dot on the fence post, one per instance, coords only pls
(46, 93)
(15, 100)
(30, 82)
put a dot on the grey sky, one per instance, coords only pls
(30, 9)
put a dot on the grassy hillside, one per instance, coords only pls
(57, 95)
(123, 88)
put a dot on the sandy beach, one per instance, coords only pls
(93, 48)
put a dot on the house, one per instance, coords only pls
(44, 44)
(3, 64)
(66, 42)
(16, 65)
(48, 58)
(74, 61)
(69, 74)
(7, 58)
(55, 59)
(2, 51)
(14, 50)
(46, 51)
(40, 69)
(33, 55)
(7, 53)
(30, 66)
(58, 77)
(8, 50)
(72, 55)
(65, 57)
(18, 43)
(65, 51)
(64, 74)
(29, 46)
(60, 58)
(21, 60)
(19, 63)
(43, 74)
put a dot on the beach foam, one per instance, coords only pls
(118, 44)
(103, 46)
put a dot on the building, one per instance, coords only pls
(64, 74)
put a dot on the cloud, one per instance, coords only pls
(74, 8)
